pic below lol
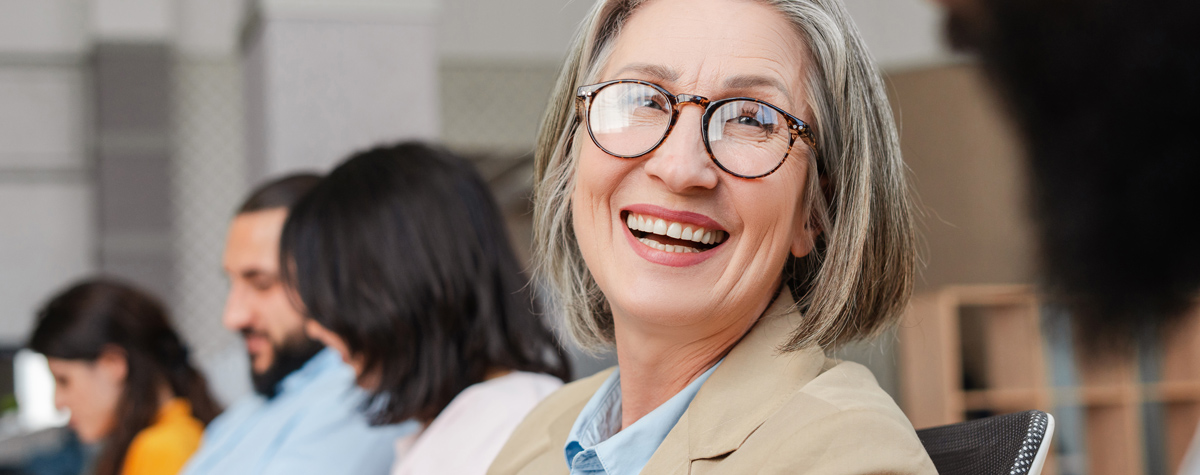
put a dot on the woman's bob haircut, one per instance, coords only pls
(403, 253)
(859, 277)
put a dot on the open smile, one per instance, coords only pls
(672, 236)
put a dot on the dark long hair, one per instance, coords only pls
(80, 322)
(401, 251)
(1105, 95)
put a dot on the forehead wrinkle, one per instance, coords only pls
(751, 81)
(773, 50)
(653, 71)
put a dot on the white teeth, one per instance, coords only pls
(662, 227)
(667, 247)
(674, 230)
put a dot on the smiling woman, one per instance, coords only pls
(719, 193)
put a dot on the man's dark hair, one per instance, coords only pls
(1105, 94)
(279, 193)
(402, 252)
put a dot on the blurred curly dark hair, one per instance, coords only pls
(1107, 97)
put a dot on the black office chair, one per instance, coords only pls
(1011, 444)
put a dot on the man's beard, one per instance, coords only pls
(288, 357)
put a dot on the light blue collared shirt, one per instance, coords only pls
(595, 446)
(312, 426)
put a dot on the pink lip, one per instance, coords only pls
(677, 216)
(671, 259)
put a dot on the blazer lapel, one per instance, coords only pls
(560, 427)
(753, 381)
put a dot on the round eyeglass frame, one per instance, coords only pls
(797, 128)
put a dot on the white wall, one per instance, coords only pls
(901, 33)
(46, 230)
(898, 32)
(327, 78)
(521, 30)
(43, 27)
(133, 20)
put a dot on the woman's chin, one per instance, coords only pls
(86, 434)
(665, 308)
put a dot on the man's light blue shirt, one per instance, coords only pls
(313, 425)
(595, 446)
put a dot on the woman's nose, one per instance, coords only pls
(60, 400)
(681, 161)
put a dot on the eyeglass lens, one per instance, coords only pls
(747, 138)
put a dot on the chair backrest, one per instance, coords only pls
(1011, 444)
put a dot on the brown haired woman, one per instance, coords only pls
(125, 376)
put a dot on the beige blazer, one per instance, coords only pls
(761, 411)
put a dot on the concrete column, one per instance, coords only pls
(209, 175)
(325, 78)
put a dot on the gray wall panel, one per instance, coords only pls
(132, 125)
(133, 87)
(136, 191)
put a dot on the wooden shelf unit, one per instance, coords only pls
(972, 351)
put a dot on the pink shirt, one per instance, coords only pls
(469, 432)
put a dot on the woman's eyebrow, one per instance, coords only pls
(653, 71)
(748, 81)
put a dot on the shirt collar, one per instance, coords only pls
(325, 360)
(626, 451)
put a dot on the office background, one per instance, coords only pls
(131, 129)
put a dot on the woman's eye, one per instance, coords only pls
(751, 123)
(650, 103)
(748, 121)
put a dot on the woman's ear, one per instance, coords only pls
(113, 363)
(808, 227)
(805, 236)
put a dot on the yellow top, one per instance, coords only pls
(166, 445)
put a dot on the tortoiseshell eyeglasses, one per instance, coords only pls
(746, 137)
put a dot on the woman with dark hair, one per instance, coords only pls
(402, 262)
(124, 374)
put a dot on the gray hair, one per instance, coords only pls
(859, 276)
